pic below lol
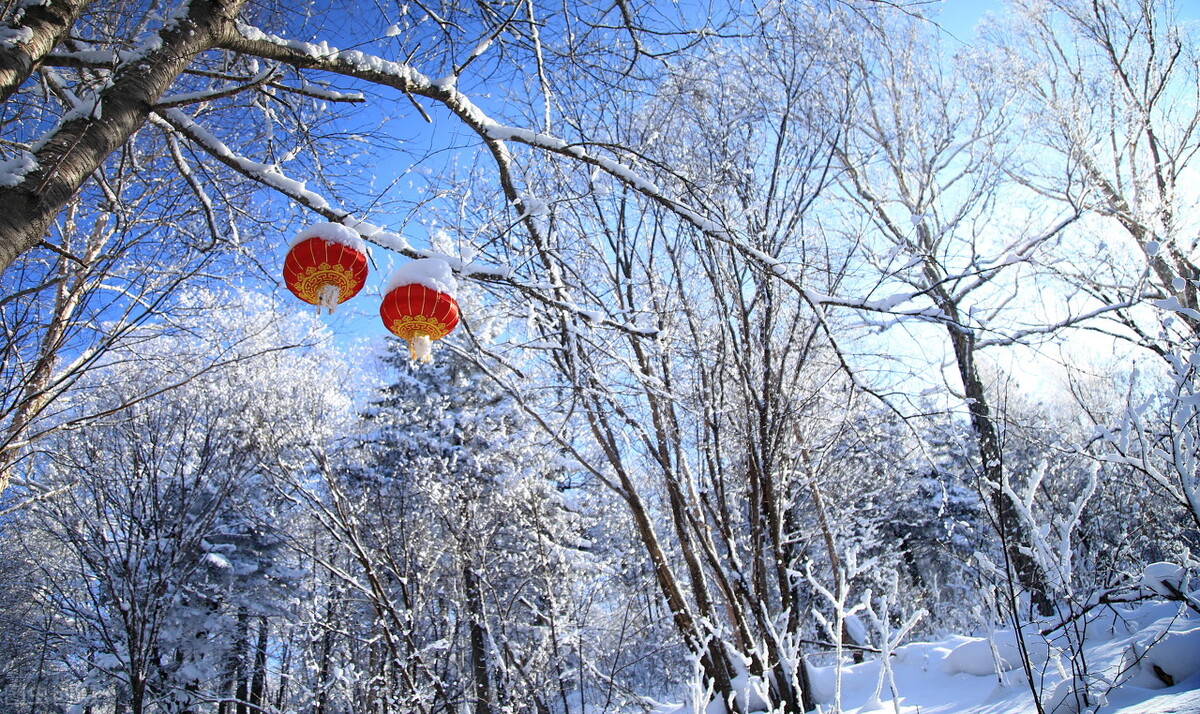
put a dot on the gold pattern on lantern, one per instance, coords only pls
(310, 282)
(409, 327)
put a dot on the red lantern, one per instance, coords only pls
(419, 305)
(326, 265)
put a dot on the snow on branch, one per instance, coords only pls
(1019, 252)
(14, 170)
(176, 121)
(370, 68)
(1172, 304)
(32, 30)
(887, 306)
(1020, 335)
(264, 174)
(185, 170)
(86, 59)
(321, 56)
(14, 36)
(309, 89)
(102, 60)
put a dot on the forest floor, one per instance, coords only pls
(1131, 653)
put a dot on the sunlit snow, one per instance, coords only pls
(433, 273)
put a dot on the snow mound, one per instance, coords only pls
(1173, 659)
(1183, 699)
(1164, 579)
(981, 657)
(1143, 658)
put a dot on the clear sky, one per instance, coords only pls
(959, 16)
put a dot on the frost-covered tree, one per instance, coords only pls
(1112, 99)
(948, 240)
(702, 427)
(64, 309)
(1113, 95)
(461, 539)
(165, 537)
(35, 651)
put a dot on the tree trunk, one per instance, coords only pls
(80, 146)
(45, 25)
(479, 647)
(258, 680)
(285, 664)
(324, 664)
(235, 672)
(137, 695)
(1008, 524)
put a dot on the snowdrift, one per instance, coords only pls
(1137, 658)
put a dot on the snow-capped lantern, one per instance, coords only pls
(419, 305)
(326, 265)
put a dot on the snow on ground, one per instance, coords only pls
(1131, 651)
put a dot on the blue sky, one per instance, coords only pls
(959, 17)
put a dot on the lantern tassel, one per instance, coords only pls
(420, 348)
(328, 298)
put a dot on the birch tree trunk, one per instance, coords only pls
(79, 146)
(36, 29)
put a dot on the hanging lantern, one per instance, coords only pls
(419, 305)
(326, 265)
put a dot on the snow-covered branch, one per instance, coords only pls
(177, 121)
(33, 32)
(370, 68)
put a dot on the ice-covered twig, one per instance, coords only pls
(207, 95)
(1018, 336)
(185, 170)
(878, 612)
(1166, 452)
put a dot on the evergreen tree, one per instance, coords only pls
(160, 552)
(463, 542)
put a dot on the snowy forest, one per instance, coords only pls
(813, 355)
